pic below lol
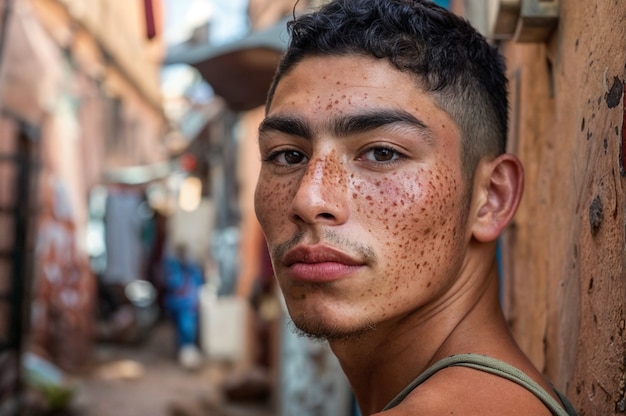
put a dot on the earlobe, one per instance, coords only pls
(498, 188)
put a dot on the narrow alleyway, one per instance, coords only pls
(146, 380)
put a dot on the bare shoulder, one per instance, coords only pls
(467, 392)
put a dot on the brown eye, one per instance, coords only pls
(382, 154)
(286, 158)
(292, 157)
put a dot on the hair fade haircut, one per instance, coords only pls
(450, 60)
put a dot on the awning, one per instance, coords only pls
(240, 72)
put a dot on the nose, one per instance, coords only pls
(321, 194)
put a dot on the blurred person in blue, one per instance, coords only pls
(183, 280)
(384, 186)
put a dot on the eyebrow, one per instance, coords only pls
(375, 119)
(346, 125)
(290, 125)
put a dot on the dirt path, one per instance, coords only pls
(147, 380)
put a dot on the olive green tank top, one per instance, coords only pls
(493, 366)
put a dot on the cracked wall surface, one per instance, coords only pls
(564, 264)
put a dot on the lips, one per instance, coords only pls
(318, 254)
(320, 264)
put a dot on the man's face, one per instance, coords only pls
(360, 196)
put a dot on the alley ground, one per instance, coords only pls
(146, 379)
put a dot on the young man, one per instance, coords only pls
(383, 189)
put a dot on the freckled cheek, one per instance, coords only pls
(272, 199)
(412, 217)
(396, 204)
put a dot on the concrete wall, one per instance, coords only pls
(120, 28)
(564, 254)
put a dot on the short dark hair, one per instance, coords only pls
(454, 63)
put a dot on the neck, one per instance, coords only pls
(381, 363)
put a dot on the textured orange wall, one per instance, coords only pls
(564, 262)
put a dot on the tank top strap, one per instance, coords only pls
(492, 366)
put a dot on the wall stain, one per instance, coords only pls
(596, 215)
(614, 96)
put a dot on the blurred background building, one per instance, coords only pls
(80, 112)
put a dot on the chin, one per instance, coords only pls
(323, 331)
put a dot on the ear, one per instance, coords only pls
(498, 188)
